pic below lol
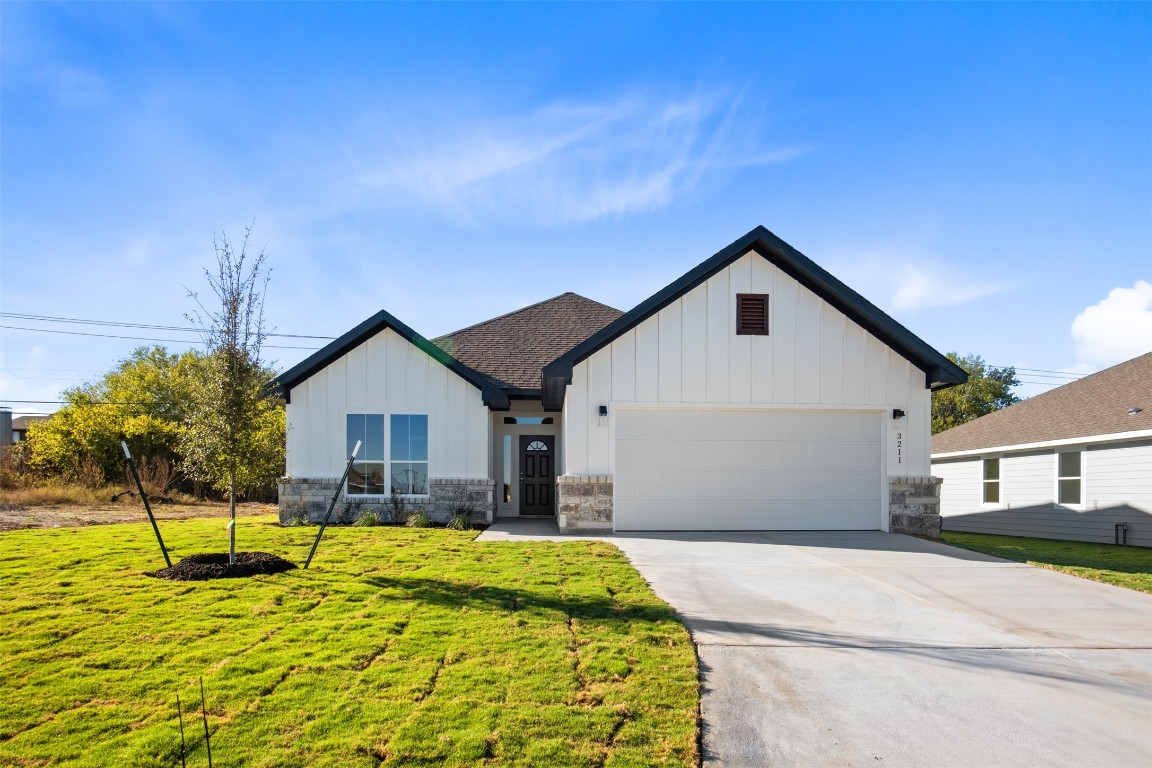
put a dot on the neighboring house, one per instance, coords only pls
(20, 426)
(757, 392)
(1073, 463)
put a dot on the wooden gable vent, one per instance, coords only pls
(751, 314)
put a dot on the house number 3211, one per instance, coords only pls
(899, 447)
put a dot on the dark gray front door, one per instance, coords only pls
(537, 475)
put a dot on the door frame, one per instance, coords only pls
(521, 444)
(513, 432)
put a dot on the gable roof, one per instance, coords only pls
(1094, 405)
(493, 397)
(940, 372)
(511, 349)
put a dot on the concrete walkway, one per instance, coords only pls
(877, 649)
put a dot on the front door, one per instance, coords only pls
(537, 475)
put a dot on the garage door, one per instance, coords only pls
(747, 470)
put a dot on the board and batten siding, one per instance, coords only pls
(1117, 488)
(689, 353)
(386, 375)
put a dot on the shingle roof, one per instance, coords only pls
(23, 422)
(1094, 405)
(511, 349)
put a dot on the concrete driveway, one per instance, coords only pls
(854, 649)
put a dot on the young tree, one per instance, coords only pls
(228, 432)
(988, 389)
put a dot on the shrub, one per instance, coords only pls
(397, 506)
(418, 520)
(460, 522)
(368, 519)
(461, 517)
(295, 521)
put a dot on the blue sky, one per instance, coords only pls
(983, 172)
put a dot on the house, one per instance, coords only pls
(1073, 463)
(20, 426)
(756, 392)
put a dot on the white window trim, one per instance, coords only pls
(999, 482)
(387, 460)
(1057, 477)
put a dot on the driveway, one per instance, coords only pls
(855, 649)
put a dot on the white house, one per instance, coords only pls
(757, 392)
(1073, 463)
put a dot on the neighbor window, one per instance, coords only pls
(1069, 477)
(991, 481)
(367, 473)
(409, 444)
(751, 314)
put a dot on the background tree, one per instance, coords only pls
(988, 389)
(231, 418)
(145, 399)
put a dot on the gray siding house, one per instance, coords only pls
(1074, 463)
(756, 392)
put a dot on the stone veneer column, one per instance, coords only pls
(914, 505)
(584, 502)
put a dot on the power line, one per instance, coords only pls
(146, 326)
(136, 338)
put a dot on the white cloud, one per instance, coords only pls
(560, 163)
(1116, 329)
(904, 281)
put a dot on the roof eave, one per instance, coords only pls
(940, 372)
(282, 385)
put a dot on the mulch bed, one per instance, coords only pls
(215, 566)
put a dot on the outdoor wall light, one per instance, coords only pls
(602, 411)
(897, 413)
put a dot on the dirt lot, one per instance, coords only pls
(13, 516)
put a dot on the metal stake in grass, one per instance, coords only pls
(144, 498)
(335, 496)
(204, 714)
(183, 746)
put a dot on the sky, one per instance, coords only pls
(982, 172)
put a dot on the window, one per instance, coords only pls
(409, 453)
(408, 457)
(751, 314)
(1068, 477)
(991, 481)
(507, 469)
(528, 420)
(367, 474)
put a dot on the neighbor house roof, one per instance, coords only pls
(940, 372)
(511, 349)
(493, 396)
(1094, 405)
(21, 423)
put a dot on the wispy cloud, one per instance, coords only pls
(906, 281)
(563, 162)
(1115, 329)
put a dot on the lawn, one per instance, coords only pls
(1123, 566)
(398, 647)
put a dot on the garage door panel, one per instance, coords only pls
(747, 470)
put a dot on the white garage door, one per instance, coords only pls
(747, 470)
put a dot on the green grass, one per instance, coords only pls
(1129, 567)
(398, 647)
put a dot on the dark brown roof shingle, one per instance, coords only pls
(1094, 405)
(511, 349)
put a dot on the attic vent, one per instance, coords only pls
(751, 314)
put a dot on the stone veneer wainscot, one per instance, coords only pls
(311, 498)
